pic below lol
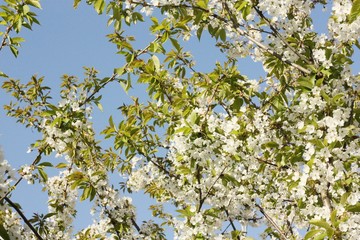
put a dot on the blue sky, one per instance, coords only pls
(66, 41)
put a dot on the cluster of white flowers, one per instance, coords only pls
(62, 201)
(338, 26)
(27, 173)
(249, 149)
(7, 175)
(9, 219)
(59, 134)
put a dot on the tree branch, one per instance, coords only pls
(112, 78)
(272, 222)
(135, 225)
(265, 48)
(277, 34)
(208, 192)
(231, 222)
(6, 34)
(13, 205)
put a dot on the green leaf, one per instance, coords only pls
(99, 106)
(306, 82)
(354, 208)
(235, 234)
(119, 71)
(355, 11)
(202, 4)
(45, 164)
(99, 6)
(86, 193)
(43, 174)
(229, 178)
(156, 62)
(34, 3)
(61, 165)
(222, 34)
(111, 122)
(333, 218)
(92, 193)
(320, 236)
(175, 43)
(344, 198)
(239, 5)
(3, 75)
(246, 11)
(312, 233)
(323, 224)
(3, 233)
(270, 145)
(126, 84)
(183, 170)
(320, 223)
(14, 51)
(17, 40)
(186, 212)
(26, 9)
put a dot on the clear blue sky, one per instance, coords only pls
(66, 41)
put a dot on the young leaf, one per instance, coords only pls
(156, 62)
(99, 6)
(310, 234)
(34, 3)
(355, 11)
(3, 233)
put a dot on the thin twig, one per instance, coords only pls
(208, 192)
(113, 77)
(272, 222)
(13, 205)
(231, 222)
(6, 34)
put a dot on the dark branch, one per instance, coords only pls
(13, 205)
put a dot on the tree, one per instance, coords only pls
(225, 151)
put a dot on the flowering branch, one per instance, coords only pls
(37, 160)
(277, 34)
(13, 205)
(236, 26)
